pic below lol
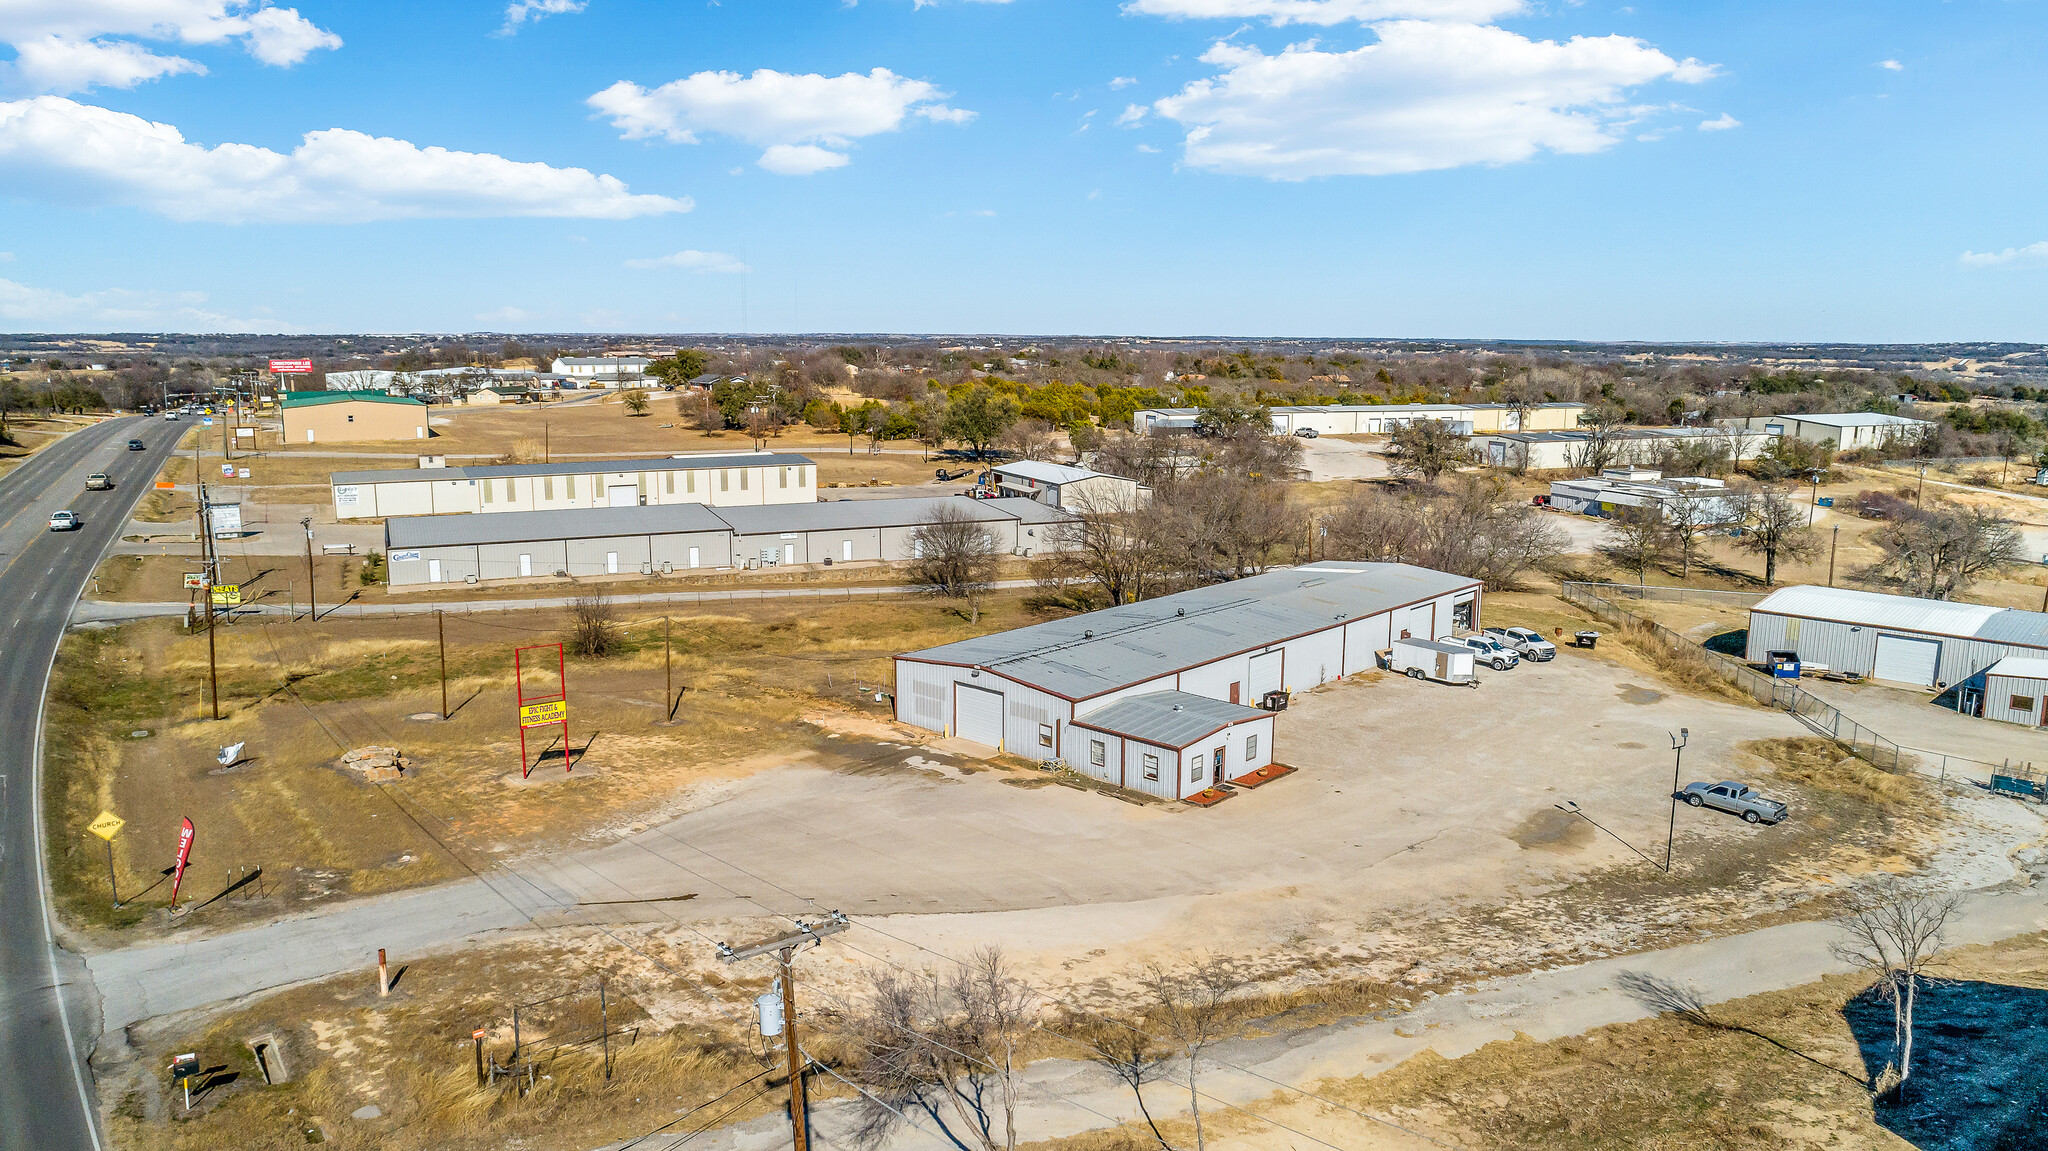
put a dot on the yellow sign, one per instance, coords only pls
(543, 714)
(107, 826)
(227, 593)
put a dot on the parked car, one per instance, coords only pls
(99, 482)
(1526, 642)
(135, 445)
(1736, 799)
(1306, 433)
(1488, 650)
(63, 522)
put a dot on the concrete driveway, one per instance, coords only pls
(1329, 458)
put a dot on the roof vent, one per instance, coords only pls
(1176, 707)
(1087, 635)
(1180, 611)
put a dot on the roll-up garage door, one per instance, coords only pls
(1901, 659)
(978, 715)
(623, 495)
(1265, 673)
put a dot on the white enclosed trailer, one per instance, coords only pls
(1430, 659)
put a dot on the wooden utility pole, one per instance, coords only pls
(312, 591)
(785, 950)
(1834, 542)
(441, 633)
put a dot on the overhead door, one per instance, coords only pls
(1902, 659)
(623, 495)
(978, 715)
(1265, 673)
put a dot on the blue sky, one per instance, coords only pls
(1427, 168)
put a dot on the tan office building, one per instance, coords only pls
(332, 417)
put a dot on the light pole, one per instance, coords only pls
(312, 591)
(1678, 743)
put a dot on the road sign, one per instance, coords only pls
(291, 367)
(227, 594)
(543, 714)
(227, 471)
(195, 581)
(107, 826)
(206, 421)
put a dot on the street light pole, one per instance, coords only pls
(1678, 743)
(312, 590)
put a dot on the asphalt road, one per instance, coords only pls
(48, 1013)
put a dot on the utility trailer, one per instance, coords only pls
(1429, 659)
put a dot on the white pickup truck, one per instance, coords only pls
(1525, 642)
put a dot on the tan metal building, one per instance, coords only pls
(719, 479)
(331, 417)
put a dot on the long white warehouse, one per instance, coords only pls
(720, 479)
(1924, 643)
(1231, 644)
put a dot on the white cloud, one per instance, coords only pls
(28, 308)
(1428, 95)
(524, 10)
(801, 159)
(73, 45)
(803, 121)
(1121, 82)
(75, 153)
(2032, 254)
(1131, 115)
(1149, 149)
(6, 257)
(1721, 123)
(1327, 12)
(1891, 65)
(695, 261)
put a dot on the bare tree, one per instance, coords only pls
(1470, 528)
(1939, 551)
(1601, 426)
(1773, 525)
(1126, 1051)
(1636, 540)
(945, 1046)
(1106, 543)
(955, 555)
(1190, 1003)
(1689, 517)
(593, 626)
(1893, 933)
(1029, 440)
(1426, 448)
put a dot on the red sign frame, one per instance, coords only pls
(560, 695)
(291, 367)
(185, 835)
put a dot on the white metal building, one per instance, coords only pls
(1375, 419)
(1065, 486)
(1900, 639)
(1285, 630)
(1172, 743)
(719, 479)
(590, 369)
(662, 540)
(2013, 690)
(1846, 430)
(1606, 494)
(1556, 451)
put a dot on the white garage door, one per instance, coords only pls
(1265, 673)
(1903, 660)
(978, 715)
(623, 495)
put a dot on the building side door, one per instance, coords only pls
(695, 555)
(525, 564)
(1234, 685)
(1904, 659)
(978, 715)
(433, 571)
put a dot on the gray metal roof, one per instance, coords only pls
(839, 515)
(572, 467)
(1172, 719)
(2017, 627)
(1116, 647)
(1046, 472)
(530, 527)
(665, 519)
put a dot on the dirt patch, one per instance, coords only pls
(1632, 693)
(1553, 830)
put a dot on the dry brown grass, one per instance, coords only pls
(1822, 763)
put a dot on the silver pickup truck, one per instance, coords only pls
(1737, 799)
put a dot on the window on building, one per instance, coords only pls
(783, 475)
(1045, 735)
(1097, 754)
(803, 476)
(508, 491)
(724, 480)
(1151, 764)
(2023, 703)
(351, 419)
(571, 481)
(743, 478)
(547, 487)
(1195, 770)
(670, 486)
(690, 482)
(1251, 748)
(487, 492)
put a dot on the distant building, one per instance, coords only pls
(603, 370)
(1064, 486)
(332, 417)
(723, 479)
(1919, 642)
(499, 394)
(1379, 419)
(1563, 451)
(1846, 430)
(1620, 488)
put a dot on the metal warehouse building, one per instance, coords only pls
(724, 479)
(1922, 642)
(679, 537)
(1373, 419)
(1103, 691)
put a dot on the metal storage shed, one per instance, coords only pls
(2016, 691)
(1922, 642)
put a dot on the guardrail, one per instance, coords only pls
(1816, 713)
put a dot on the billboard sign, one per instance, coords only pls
(291, 367)
(195, 581)
(227, 595)
(227, 519)
(184, 855)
